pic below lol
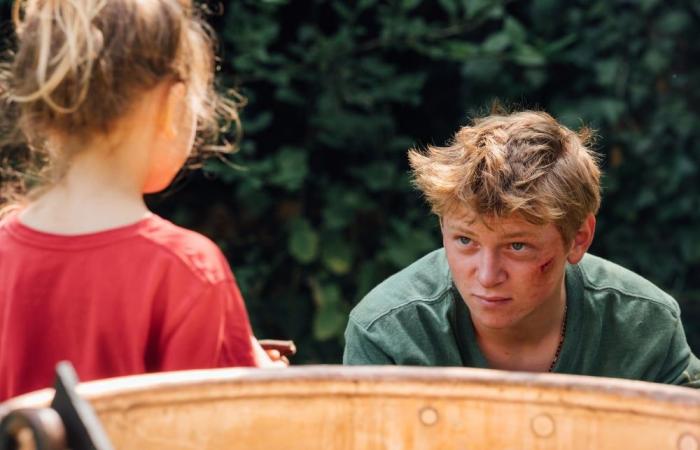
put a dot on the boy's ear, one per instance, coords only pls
(582, 240)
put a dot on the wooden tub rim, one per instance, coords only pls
(353, 376)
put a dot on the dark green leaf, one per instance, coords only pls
(303, 242)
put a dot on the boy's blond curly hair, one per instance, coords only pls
(522, 163)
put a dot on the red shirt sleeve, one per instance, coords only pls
(235, 332)
(210, 330)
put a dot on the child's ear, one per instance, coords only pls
(171, 108)
(582, 240)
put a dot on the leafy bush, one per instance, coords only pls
(337, 94)
(320, 208)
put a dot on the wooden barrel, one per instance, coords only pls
(363, 408)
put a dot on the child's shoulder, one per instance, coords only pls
(197, 252)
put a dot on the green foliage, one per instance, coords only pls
(303, 242)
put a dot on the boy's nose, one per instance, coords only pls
(489, 272)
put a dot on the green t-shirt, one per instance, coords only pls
(618, 324)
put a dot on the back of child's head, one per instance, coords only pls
(80, 65)
(523, 163)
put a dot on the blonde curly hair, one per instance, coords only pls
(79, 65)
(522, 163)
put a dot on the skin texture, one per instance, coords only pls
(510, 274)
(173, 142)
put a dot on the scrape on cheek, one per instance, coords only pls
(544, 267)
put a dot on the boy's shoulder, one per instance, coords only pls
(424, 283)
(194, 250)
(600, 276)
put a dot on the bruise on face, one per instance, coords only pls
(546, 266)
(542, 271)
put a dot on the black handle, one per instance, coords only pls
(41, 426)
(70, 422)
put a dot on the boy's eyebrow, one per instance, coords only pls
(460, 228)
(513, 235)
(519, 234)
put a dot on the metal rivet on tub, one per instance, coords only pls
(428, 416)
(688, 442)
(543, 425)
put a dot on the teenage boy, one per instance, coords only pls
(513, 287)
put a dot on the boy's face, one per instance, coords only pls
(509, 272)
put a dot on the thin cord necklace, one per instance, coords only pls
(562, 333)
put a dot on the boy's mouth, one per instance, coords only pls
(491, 299)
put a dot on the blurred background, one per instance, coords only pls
(316, 208)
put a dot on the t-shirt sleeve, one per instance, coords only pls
(210, 330)
(361, 347)
(681, 366)
(235, 330)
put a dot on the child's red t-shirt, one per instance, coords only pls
(145, 297)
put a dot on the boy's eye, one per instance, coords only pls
(517, 246)
(464, 240)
